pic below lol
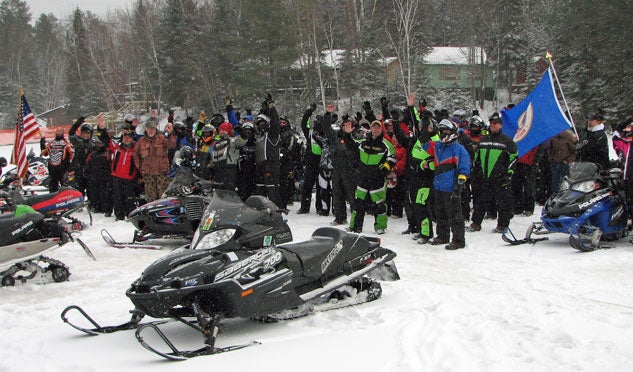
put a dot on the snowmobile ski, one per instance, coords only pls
(86, 249)
(207, 325)
(534, 228)
(98, 329)
(120, 245)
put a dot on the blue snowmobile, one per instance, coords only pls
(590, 207)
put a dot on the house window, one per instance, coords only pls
(449, 73)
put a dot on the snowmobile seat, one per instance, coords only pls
(312, 253)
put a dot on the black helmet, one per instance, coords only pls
(447, 131)
(3, 162)
(86, 128)
(186, 156)
(475, 125)
(216, 119)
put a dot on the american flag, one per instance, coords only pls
(25, 129)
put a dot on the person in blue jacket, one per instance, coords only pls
(451, 164)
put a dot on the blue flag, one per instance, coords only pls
(537, 118)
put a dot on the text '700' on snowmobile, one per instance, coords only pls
(201, 287)
(590, 207)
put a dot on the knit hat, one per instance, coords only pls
(151, 123)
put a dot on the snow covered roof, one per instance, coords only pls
(454, 55)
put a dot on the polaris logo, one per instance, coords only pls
(330, 257)
(22, 228)
(592, 200)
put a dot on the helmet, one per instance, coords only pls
(627, 132)
(208, 129)
(216, 119)
(459, 113)
(180, 127)
(447, 131)
(186, 156)
(475, 125)
(248, 125)
(129, 118)
(3, 162)
(86, 128)
(285, 118)
(262, 118)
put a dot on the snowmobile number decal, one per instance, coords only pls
(592, 200)
(208, 221)
(266, 258)
(330, 257)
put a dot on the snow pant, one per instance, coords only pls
(100, 194)
(370, 195)
(449, 217)
(311, 174)
(123, 196)
(419, 197)
(246, 181)
(324, 190)
(395, 199)
(155, 185)
(343, 186)
(79, 181)
(55, 177)
(503, 202)
(226, 177)
(267, 181)
(523, 188)
(558, 172)
(466, 198)
(411, 224)
(286, 182)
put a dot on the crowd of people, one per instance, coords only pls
(445, 173)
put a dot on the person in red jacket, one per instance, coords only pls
(523, 184)
(124, 174)
(395, 189)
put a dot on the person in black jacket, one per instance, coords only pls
(494, 164)
(311, 160)
(83, 145)
(594, 147)
(344, 167)
(267, 140)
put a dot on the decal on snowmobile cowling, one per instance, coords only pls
(264, 259)
(65, 200)
(330, 257)
(593, 200)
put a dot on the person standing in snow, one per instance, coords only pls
(60, 154)
(151, 158)
(377, 158)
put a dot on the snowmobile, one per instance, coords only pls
(590, 207)
(36, 173)
(333, 269)
(26, 236)
(54, 206)
(176, 215)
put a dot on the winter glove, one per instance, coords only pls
(384, 103)
(367, 106)
(385, 168)
(459, 186)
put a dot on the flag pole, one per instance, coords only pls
(549, 56)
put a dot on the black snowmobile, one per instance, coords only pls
(25, 237)
(331, 270)
(176, 215)
(590, 207)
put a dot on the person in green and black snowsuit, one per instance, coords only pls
(377, 157)
(418, 172)
(492, 171)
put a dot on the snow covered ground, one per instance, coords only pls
(488, 307)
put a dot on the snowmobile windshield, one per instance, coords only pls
(182, 182)
(583, 171)
(581, 178)
(227, 209)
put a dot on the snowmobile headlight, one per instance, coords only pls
(587, 186)
(215, 238)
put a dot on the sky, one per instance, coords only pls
(61, 8)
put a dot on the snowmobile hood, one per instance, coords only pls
(573, 203)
